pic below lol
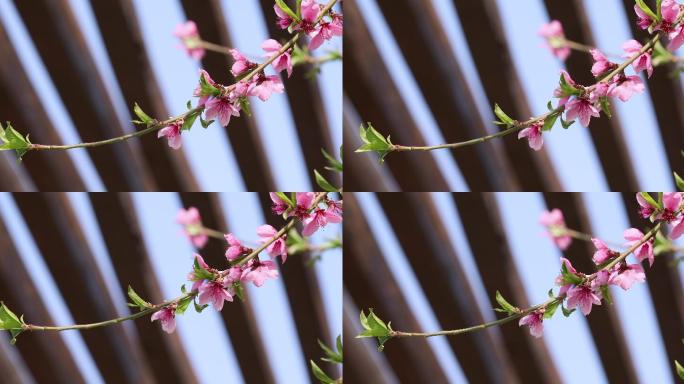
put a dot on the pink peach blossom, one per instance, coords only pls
(645, 209)
(241, 64)
(191, 221)
(624, 87)
(172, 134)
(314, 222)
(304, 204)
(601, 63)
(279, 206)
(167, 317)
(553, 220)
(582, 109)
(198, 90)
(643, 62)
(284, 20)
(283, 62)
(642, 252)
(235, 247)
(535, 321)
(258, 272)
(333, 213)
(625, 277)
(583, 297)
(188, 34)
(603, 253)
(214, 293)
(555, 37)
(276, 248)
(221, 108)
(264, 86)
(533, 134)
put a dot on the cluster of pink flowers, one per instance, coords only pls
(314, 218)
(221, 103)
(582, 291)
(213, 286)
(584, 102)
(318, 31)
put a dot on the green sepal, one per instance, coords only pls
(201, 273)
(569, 278)
(319, 374)
(566, 124)
(567, 312)
(13, 140)
(189, 121)
(567, 89)
(680, 370)
(330, 355)
(285, 8)
(650, 200)
(374, 142)
(183, 305)
(199, 308)
(374, 327)
(245, 106)
(239, 291)
(550, 121)
(137, 300)
(323, 183)
(641, 4)
(207, 89)
(551, 309)
(605, 291)
(205, 123)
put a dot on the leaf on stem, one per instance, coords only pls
(144, 117)
(642, 5)
(374, 327)
(679, 181)
(680, 370)
(550, 309)
(183, 305)
(569, 277)
(285, 8)
(566, 89)
(13, 140)
(331, 356)
(650, 200)
(323, 183)
(10, 322)
(505, 306)
(374, 142)
(333, 163)
(504, 119)
(201, 273)
(137, 300)
(319, 374)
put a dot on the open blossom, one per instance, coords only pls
(304, 202)
(221, 109)
(314, 222)
(535, 322)
(555, 39)
(645, 209)
(235, 247)
(669, 10)
(626, 276)
(583, 297)
(643, 62)
(559, 279)
(601, 63)
(333, 213)
(625, 86)
(324, 32)
(189, 36)
(241, 63)
(553, 220)
(276, 248)
(167, 317)
(172, 134)
(279, 206)
(191, 221)
(582, 109)
(672, 201)
(264, 86)
(283, 62)
(284, 20)
(603, 253)
(215, 293)
(193, 277)
(533, 134)
(642, 252)
(258, 272)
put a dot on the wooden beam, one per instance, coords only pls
(118, 24)
(45, 354)
(482, 225)
(120, 230)
(370, 283)
(58, 235)
(60, 43)
(428, 248)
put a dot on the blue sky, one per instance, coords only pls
(208, 152)
(537, 261)
(538, 71)
(203, 335)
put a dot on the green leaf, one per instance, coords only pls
(566, 124)
(650, 200)
(679, 181)
(189, 104)
(189, 121)
(568, 277)
(283, 196)
(641, 4)
(10, 322)
(340, 350)
(550, 121)
(331, 356)
(567, 89)
(505, 305)
(201, 273)
(374, 142)
(183, 305)
(205, 123)
(605, 106)
(333, 163)
(323, 183)
(373, 326)
(144, 117)
(137, 300)
(285, 8)
(319, 374)
(504, 119)
(680, 370)
(13, 140)
(659, 9)
(567, 312)
(199, 308)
